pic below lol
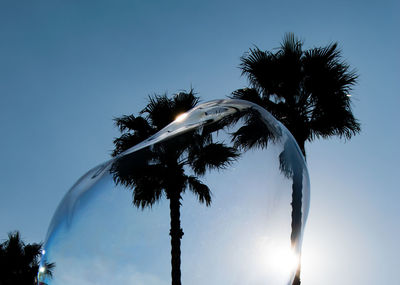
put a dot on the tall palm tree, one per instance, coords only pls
(161, 169)
(308, 91)
(19, 262)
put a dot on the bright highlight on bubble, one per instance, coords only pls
(181, 117)
(97, 236)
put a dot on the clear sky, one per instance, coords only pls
(68, 67)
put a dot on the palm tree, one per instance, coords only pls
(162, 169)
(19, 262)
(308, 91)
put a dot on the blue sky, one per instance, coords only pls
(68, 67)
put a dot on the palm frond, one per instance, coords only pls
(328, 76)
(259, 67)
(334, 122)
(147, 191)
(201, 190)
(291, 45)
(49, 267)
(126, 141)
(253, 134)
(248, 94)
(127, 169)
(143, 174)
(159, 111)
(32, 252)
(184, 101)
(132, 123)
(223, 124)
(213, 156)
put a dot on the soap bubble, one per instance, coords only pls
(245, 236)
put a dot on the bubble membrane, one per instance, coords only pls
(246, 236)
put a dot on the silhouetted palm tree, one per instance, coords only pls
(308, 91)
(19, 262)
(161, 169)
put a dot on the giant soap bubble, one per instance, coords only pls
(250, 233)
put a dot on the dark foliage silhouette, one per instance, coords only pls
(308, 91)
(19, 262)
(168, 168)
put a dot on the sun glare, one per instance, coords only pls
(279, 258)
(181, 117)
(283, 260)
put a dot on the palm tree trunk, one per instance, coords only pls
(297, 196)
(176, 234)
(296, 280)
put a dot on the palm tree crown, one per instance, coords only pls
(19, 262)
(162, 169)
(307, 90)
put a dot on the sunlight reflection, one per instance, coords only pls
(280, 258)
(181, 117)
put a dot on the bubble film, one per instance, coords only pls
(249, 231)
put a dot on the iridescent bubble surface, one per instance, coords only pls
(246, 236)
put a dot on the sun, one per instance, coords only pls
(283, 260)
(279, 259)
